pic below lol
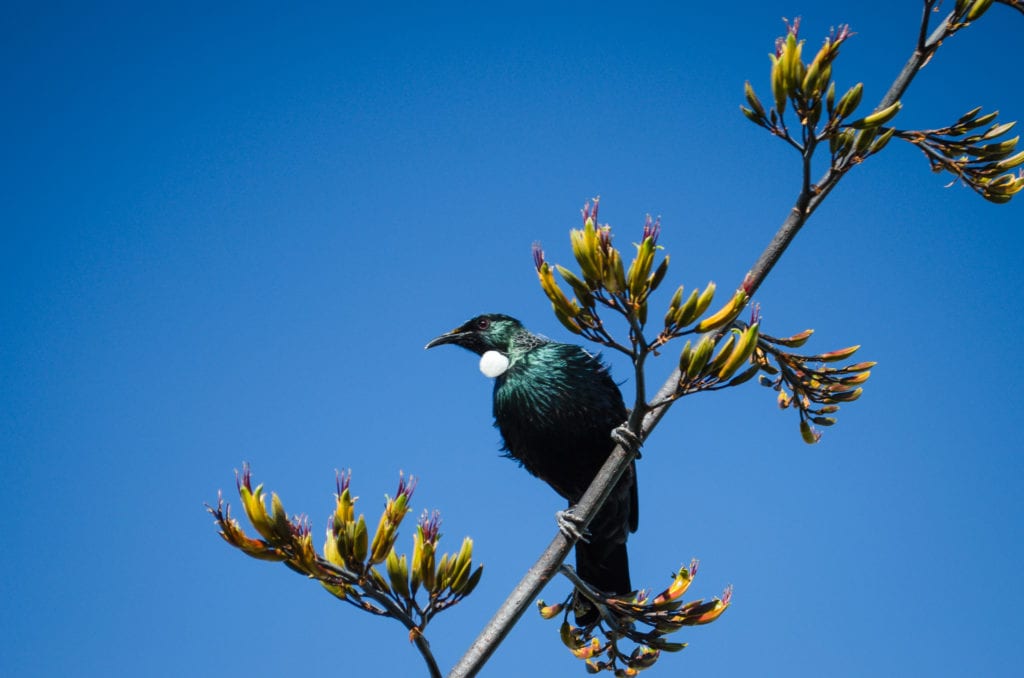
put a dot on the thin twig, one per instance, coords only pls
(393, 610)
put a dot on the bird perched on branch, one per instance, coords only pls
(556, 407)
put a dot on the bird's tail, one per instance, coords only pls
(605, 567)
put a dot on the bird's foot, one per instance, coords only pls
(571, 525)
(629, 440)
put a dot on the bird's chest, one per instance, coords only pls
(555, 426)
(536, 401)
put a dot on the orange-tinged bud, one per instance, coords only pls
(857, 367)
(725, 315)
(644, 657)
(714, 613)
(549, 611)
(588, 650)
(833, 356)
(679, 585)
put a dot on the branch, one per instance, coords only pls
(810, 197)
(396, 612)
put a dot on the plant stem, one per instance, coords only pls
(394, 611)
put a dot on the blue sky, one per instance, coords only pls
(229, 232)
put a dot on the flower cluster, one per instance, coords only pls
(976, 158)
(809, 90)
(721, 350)
(603, 279)
(642, 619)
(980, 160)
(808, 383)
(349, 565)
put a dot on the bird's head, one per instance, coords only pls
(488, 332)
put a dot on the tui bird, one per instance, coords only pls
(556, 406)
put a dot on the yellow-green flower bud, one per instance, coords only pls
(700, 357)
(398, 573)
(809, 435)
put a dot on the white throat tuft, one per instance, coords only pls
(493, 364)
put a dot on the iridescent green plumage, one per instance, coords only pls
(556, 406)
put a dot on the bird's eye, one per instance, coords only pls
(483, 324)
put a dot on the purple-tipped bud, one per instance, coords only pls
(792, 28)
(589, 210)
(431, 525)
(342, 480)
(538, 255)
(300, 525)
(842, 33)
(755, 314)
(404, 487)
(652, 229)
(245, 478)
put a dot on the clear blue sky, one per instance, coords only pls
(229, 232)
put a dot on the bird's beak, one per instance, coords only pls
(452, 337)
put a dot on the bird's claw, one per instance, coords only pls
(570, 525)
(629, 440)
